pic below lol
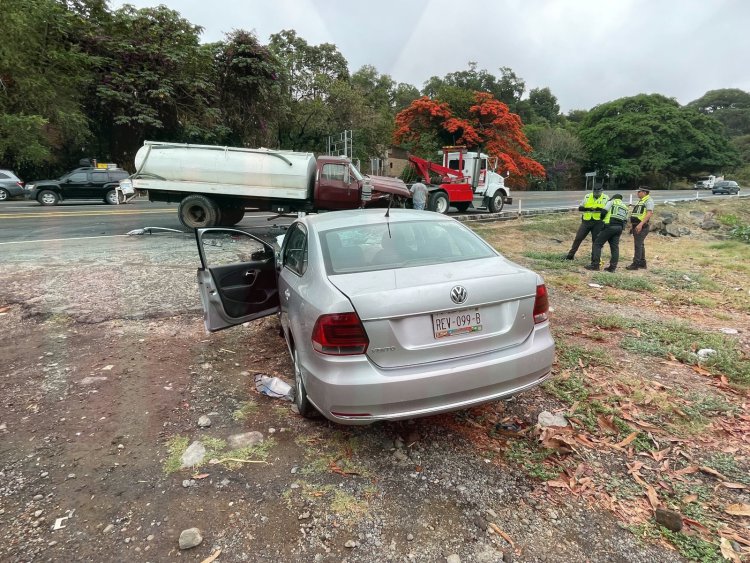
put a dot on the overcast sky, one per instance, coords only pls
(586, 51)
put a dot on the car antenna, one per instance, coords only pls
(388, 214)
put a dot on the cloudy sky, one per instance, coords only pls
(586, 51)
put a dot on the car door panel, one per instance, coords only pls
(241, 286)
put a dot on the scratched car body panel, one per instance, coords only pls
(386, 316)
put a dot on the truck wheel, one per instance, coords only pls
(111, 197)
(463, 206)
(198, 211)
(439, 202)
(496, 202)
(230, 216)
(48, 197)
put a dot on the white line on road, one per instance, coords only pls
(60, 239)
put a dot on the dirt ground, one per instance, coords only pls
(106, 369)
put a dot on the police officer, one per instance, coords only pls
(639, 226)
(616, 215)
(591, 220)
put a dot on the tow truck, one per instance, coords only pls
(466, 179)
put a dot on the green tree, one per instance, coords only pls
(457, 88)
(561, 153)
(731, 106)
(248, 91)
(543, 105)
(43, 76)
(309, 74)
(651, 138)
(153, 79)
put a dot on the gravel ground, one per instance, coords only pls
(108, 363)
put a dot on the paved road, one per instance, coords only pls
(26, 222)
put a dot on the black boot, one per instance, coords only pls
(594, 267)
(610, 268)
(632, 266)
(569, 256)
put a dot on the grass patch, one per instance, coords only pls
(176, 446)
(681, 341)
(622, 281)
(692, 281)
(727, 465)
(245, 409)
(347, 505)
(571, 356)
(692, 548)
(257, 452)
(531, 456)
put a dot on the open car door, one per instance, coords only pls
(237, 278)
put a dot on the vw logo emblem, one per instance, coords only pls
(458, 294)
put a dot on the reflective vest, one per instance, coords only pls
(618, 211)
(591, 201)
(639, 210)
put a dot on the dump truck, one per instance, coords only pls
(214, 185)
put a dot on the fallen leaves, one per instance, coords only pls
(727, 551)
(738, 509)
(628, 440)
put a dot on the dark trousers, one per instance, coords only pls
(609, 234)
(584, 229)
(639, 258)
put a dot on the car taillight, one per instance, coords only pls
(340, 334)
(541, 304)
(19, 184)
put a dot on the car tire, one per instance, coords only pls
(4, 194)
(48, 197)
(111, 197)
(496, 203)
(462, 207)
(439, 202)
(198, 211)
(304, 406)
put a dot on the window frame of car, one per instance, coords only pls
(100, 177)
(71, 178)
(300, 264)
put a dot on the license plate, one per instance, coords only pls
(452, 323)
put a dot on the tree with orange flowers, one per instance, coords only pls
(489, 126)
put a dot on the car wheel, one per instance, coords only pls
(111, 197)
(304, 406)
(48, 197)
(439, 203)
(496, 203)
(4, 194)
(197, 212)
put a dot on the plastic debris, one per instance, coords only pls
(273, 387)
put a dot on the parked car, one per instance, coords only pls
(82, 183)
(726, 187)
(10, 185)
(386, 316)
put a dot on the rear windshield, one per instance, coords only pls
(365, 248)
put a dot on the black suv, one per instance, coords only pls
(726, 187)
(81, 183)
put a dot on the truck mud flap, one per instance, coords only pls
(508, 200)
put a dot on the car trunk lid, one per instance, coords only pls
(411, 318)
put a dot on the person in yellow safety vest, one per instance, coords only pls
(640, 218)
(591, 220)
(614, 222)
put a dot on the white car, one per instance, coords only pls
(387, 315)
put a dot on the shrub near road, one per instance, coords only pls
(653, 372)
(104, 388)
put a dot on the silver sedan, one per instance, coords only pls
(386, 316)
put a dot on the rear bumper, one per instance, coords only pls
(352, 390)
